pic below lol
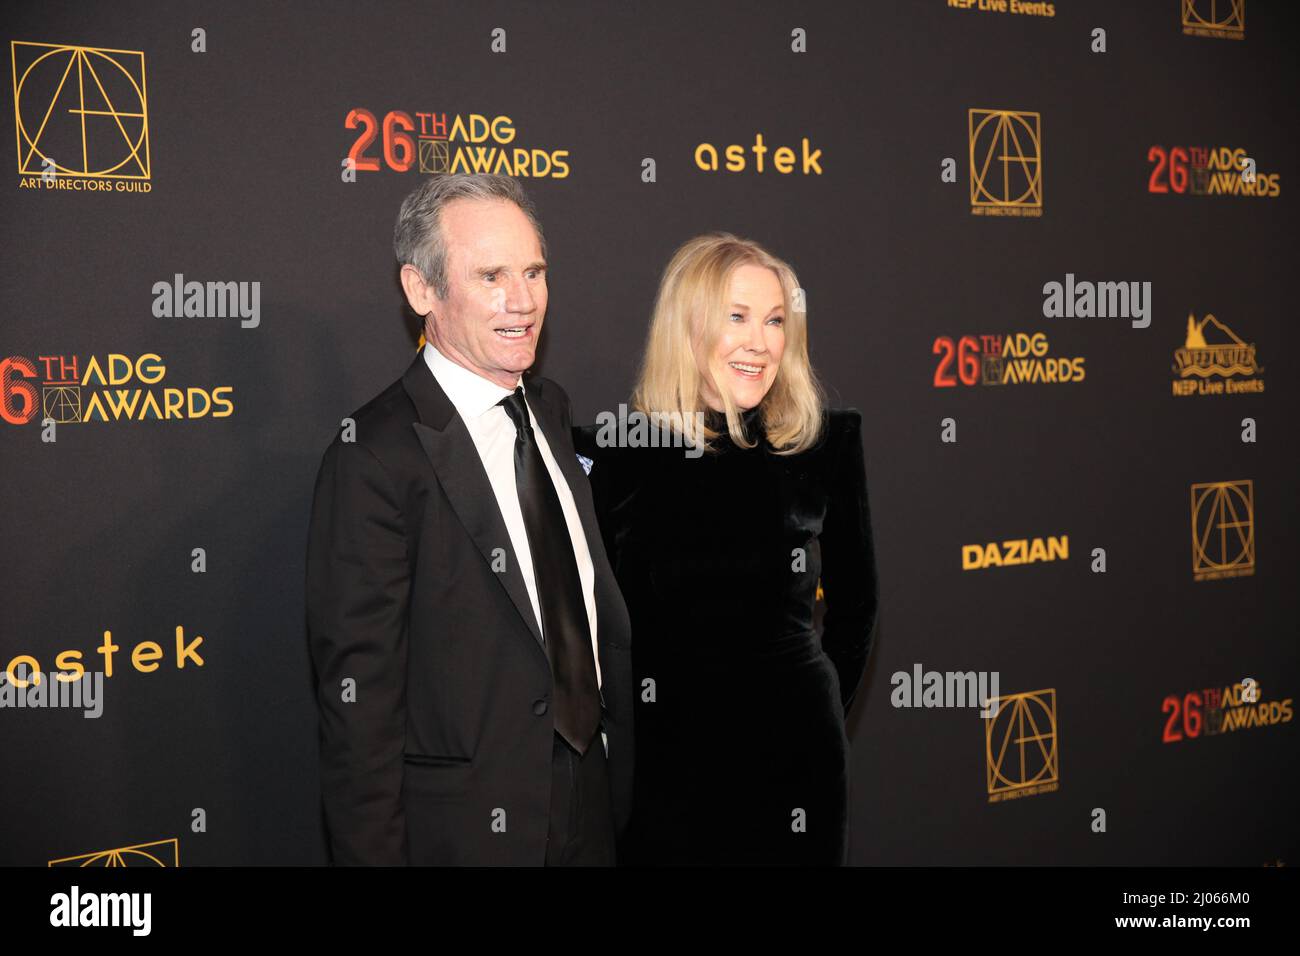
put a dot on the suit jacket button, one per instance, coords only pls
(539, 707)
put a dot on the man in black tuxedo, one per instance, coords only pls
(471, 646)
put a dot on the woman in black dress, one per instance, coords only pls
(741, 751)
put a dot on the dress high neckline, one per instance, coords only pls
(751, 418)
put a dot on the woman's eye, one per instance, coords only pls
(738, 316)
(777, 319)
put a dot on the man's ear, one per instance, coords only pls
(419, 294)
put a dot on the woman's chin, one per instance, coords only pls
(747, 398)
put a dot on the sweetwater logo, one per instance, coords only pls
(1213, 710)
(1033, 8)
(66, 389)
(1223, 530)
(1224, 19)
(1017, 358)
(470, 143)
(1209, 171)
(1211, 350)
(1022, 551)
(1006, 162)
(82, 118)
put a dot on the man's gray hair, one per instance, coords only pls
(418, 240)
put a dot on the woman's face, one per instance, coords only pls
(752, 340)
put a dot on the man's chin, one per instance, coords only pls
(517, 363)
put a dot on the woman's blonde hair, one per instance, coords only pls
(690, 312)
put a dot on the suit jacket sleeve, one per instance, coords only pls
(848, 559)
(358, 582)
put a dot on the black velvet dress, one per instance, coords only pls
(741, 751)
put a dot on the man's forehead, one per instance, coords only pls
(482, 230)
(468, 220)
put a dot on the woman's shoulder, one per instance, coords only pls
(839, 427)
(843, 420)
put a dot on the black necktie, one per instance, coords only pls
(565, 628)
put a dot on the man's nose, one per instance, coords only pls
(519, 297)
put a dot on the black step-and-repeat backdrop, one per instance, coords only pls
(1048, 249)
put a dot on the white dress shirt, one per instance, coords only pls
(475, 399)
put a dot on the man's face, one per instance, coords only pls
(491, 320)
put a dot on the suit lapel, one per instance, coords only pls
(451, 451)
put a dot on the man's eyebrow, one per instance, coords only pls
(489, 270)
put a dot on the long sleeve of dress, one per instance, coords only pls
(849, 581)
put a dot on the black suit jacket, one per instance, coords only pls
(433, 683)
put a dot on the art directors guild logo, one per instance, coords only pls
(1020, 746)
(160, 853)
(1006, 163)
(82, 118)
(1211, 356)
(1223, 530)
(1224, 19)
